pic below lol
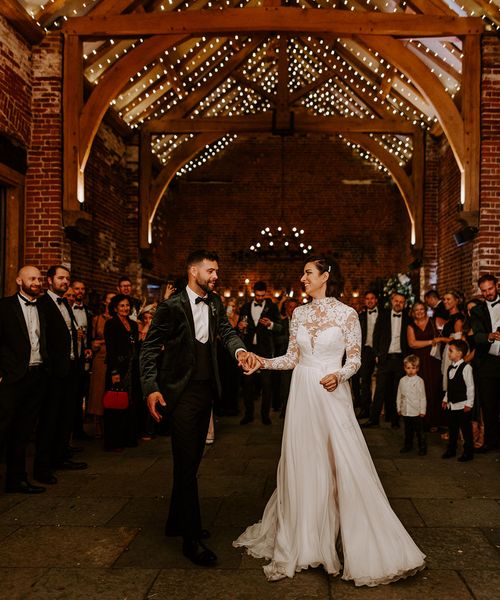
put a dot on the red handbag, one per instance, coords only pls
(115, 399)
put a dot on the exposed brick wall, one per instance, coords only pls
(44, 243)
(487, 251)
(225, 204)
(15, 85)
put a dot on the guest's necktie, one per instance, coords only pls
(27, 302)
(200, 299)
(396, 315)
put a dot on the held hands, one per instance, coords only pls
(249, 362)
(152, 400)
(494, 336)
(265, 322)
(330, 382)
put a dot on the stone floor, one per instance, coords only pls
(98, 533)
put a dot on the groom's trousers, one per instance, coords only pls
(189, 425)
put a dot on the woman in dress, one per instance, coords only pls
(121, 335)
(422, 338)
(452, 330)
(328, 492)
(98, 374)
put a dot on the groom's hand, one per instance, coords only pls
(153, 399)
(250, 362)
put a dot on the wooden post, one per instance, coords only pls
(145, 177)
(73, 189)
(417, 176)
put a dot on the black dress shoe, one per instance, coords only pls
(465, 457)
(246, 420)
(198, 553)
(266, 421)
(46, 477)
(71, 465)
(23, 487)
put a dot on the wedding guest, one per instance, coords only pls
(459, 400)
(70, 296)
(362, 381)
(124, 287)
(452, 329)
(121, 335)
(390, 344)
(471, 358)
(436, 307)
(58, 409)
(412, 405)
(83, 318)
(146, 421)
(98, 375)
(23, 353)
(259, 321)
(485, 320)
(285, 377)
(422, 339)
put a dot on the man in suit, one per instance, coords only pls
(22, 375)
(83, 320)
(179, 376)
(362, 381)
(259, 322)
(58, 409)
(281, 342)
(436, 306)
(390, 345)
(485, 322)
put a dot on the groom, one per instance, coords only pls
(179, 376)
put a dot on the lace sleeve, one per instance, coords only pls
(352, 336)
(291, 358)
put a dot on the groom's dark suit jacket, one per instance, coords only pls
(168, 352)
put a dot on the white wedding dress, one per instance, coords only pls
(329, 499)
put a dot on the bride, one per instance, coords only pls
(329, 506)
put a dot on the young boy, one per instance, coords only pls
(411, 405)
(459, 400)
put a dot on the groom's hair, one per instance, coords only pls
(200, 255)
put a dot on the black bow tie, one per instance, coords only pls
(60, 300)
(26, 301)
(495, 303)
(370, 312)
(200, 299)
(396, 315)
(453, 366)
(258, 303)
(76, 307)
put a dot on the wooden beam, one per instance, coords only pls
(428, 85)
(245, 82)
(431, 7)
(275, 19)
(73, 192)
(112, 82)
(303, 123)
(49, 12)
(17, 16)
(471, 112)
(391, 163)
(182, 155)
(113, 7)
(418, 178)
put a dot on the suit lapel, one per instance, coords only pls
(19, 314)
(212, 311)
(487, 317)
(186, 307)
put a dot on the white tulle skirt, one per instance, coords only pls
(329, 507)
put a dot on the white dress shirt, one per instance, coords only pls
(411, 400)
(370, 325)
(66, 316)
(495, 322)
(200, 316)
(395, 346)
(30, 313)
(256, 312)
(469, 384)
(80, 315)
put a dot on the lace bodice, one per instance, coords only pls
(320, 333)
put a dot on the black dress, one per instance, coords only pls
(121, 426)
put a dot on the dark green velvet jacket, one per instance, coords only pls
(167, 354)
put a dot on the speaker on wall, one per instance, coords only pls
(464, 235)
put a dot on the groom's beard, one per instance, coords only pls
(205, 285)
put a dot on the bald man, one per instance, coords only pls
(22, 375)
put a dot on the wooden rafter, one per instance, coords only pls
(276, 19)
(15, 14)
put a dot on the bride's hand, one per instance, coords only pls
(330, 382)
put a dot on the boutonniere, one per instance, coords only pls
(212, 308)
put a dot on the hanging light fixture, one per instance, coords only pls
(281, 241)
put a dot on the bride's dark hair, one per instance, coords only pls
(335, 282)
